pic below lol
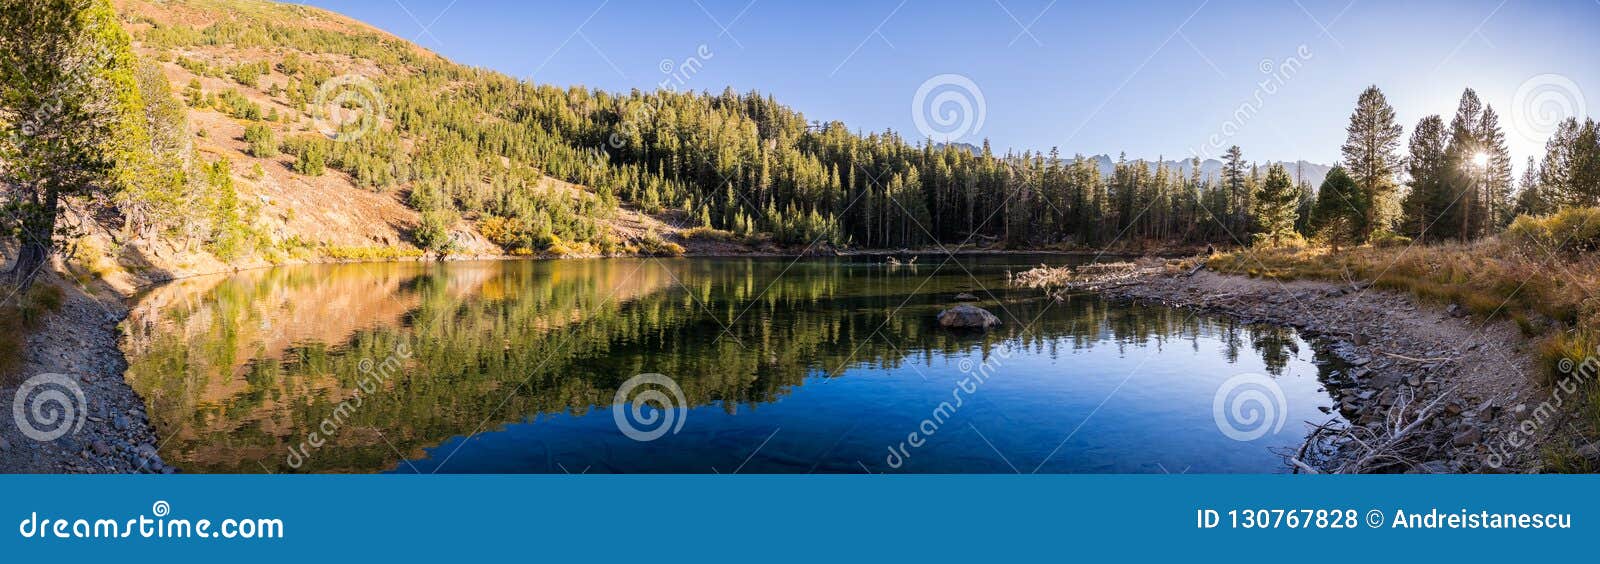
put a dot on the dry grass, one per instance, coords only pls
(19, 316)
(1550, 296)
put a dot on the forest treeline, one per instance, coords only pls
(465, 143)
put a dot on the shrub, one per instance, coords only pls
(709, 234)
(312, 161)
(653, 245)
(235, 104)
(1571, 231)
(433, 231)
(263, 144)
(248, 74)
(368, 253)
(1387, 239)
(20, 318)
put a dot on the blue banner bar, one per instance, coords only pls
(793, 518)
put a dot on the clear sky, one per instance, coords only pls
(1148, 78)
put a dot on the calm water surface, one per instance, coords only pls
(817, 365)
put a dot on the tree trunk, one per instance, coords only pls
(30, 259)
(37, 242)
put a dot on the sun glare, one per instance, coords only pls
(1480, 159)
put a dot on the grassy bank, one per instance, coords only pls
(21, 314)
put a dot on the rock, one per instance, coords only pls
(4, 446)
(967, 317)
(1432, 467)
(1469, 437)
(1384, 380)
(966, 297)
(100, 448)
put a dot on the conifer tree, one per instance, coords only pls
(1340, 213)
(70, 117)
(1426, 167)
(1371, 158)
(1275, 202)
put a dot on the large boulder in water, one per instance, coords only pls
(967, 317)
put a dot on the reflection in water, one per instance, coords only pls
(832, 361)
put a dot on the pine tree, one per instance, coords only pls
(1370, 154)
(1426, 200)
(1495, 185)
(1275, 202)
(1463, 178)
(70, 117)
(1339, 215)
(1532, 198)
(1233, 183)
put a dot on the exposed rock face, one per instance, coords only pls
(967, 317)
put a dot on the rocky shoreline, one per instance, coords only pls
(108, 432)
(1421, 388)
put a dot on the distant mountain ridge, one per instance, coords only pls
(1310, 172)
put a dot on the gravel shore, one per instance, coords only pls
(1464, 383)
(106, 431)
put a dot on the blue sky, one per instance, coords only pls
(1147, 78)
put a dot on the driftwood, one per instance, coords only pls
(1365, 449)
(1085, 277)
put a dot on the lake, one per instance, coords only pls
(704, 365)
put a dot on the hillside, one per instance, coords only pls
(303, 135)
(238, 75)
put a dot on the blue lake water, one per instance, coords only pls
(765, 365)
